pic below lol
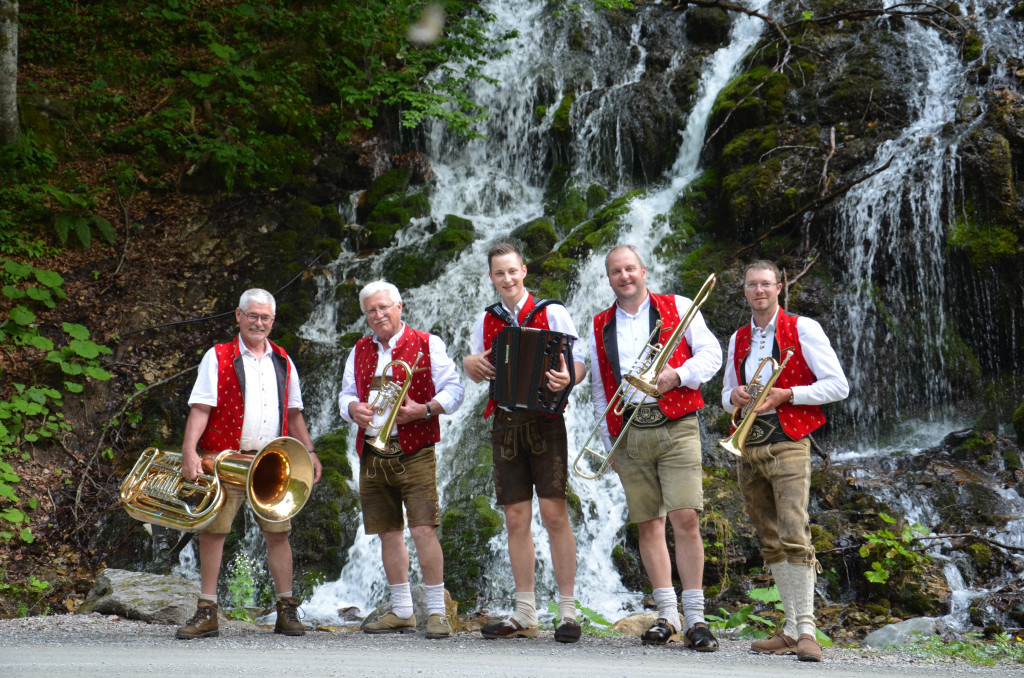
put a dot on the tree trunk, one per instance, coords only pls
(9, 126)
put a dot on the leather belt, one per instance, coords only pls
(394, 448)
(765, 430)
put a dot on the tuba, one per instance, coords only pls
(277, 481)
(736, 444)
(642, 378)
(391, 395)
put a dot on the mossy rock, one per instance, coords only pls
(570, 210)
(707, 25)
(561, 124)
(346, 296)
(465, 534)
(537, 236)
(393, 182)
(417, 265)
(596, 196)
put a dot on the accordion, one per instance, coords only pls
(521, 357)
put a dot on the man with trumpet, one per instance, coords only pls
(246, 394)
(775, 464)
(659, 463)
(397, 382)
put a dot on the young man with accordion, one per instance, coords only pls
(529, 350)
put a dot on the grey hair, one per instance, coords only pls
(257, 296)
(379, 286)
(639, 257)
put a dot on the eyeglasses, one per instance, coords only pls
(751, 286)
(253, 317)
(380, 310)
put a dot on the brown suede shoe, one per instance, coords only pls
(391, 623)
(508, 628)
(203, 624)
(780, 643)
(807, 648)
(288, 618)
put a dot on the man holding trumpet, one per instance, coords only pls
(775, 467)
(659, 464)
(396, 448)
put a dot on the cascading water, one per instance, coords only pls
(894, 309)
(497, 182)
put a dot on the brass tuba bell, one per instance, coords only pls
(277, 481)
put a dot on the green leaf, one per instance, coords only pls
(22, 315)
(886, 517)
(26, 535)
(7, 491)
(17, 270)
(76, 331)
(12, 292)
(74, 369)
(51, 279)
(105, 229)
(200, 79)
(97, 373)
(13, 515)
(766, 595)
(39, 342)
(86, 349)
(72, 387)
(223, 51)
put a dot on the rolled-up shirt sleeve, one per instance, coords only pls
(705, 351)
(204, 391)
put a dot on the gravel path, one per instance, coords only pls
(99, 645)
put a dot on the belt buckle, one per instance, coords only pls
(761, 432)
(649, 416)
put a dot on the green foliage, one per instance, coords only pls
(1002, 648)
(242, 587)
(893, 558)
(743, 622)
(24, 597)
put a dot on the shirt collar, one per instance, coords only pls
(769, 328)
(514, 311)
(644, 308)
(243, 349)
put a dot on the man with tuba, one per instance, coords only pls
(775, 469)
(246, 394)
(396, 448)
(659, 463)
(530, 449)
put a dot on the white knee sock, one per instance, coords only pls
(668, 608)
(693, 608)
(782, 572)
(401, 600)
(435, 599)
(803, 598)
(526, 608)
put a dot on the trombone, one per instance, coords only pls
(642, 379)
(736, 444)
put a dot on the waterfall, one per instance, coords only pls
(498, 182)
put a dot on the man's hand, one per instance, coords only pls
(776, 397)
(559, 379)
(410, 411)
(668, 379)
(478, 367)
(191, 465)
(739, 397)
(361, 413)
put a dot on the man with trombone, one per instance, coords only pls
(397, 382)
(659, 458)
(772, 441)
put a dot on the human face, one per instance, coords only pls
(762, 289)
(383, 315)
(627, 278)
(254, 332)
(507, 273)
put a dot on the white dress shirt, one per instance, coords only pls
(448, 389)
(831, 385)
(261, 418)
(558, 321)
(632, 332)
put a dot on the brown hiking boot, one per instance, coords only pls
(288, 618)
(780, 643)
(203, 624)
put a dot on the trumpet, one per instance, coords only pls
(391, 395)
(641, 380)
(736, 444)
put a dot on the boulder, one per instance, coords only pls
(141, 595)
(636, 624)
(895, 635)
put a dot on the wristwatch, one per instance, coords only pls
(429, 413)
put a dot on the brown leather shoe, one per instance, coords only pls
(438, 626)
(203, 624)
(807, 648)
(700, 638)
(508, 628)
(569, 631)
(780, 643)
(661, 633)
(288, 618)
(391, 623)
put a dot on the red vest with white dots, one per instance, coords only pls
(224, 428)
(418, 434)
(493, 324)
(678, 402)
(797, 420)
